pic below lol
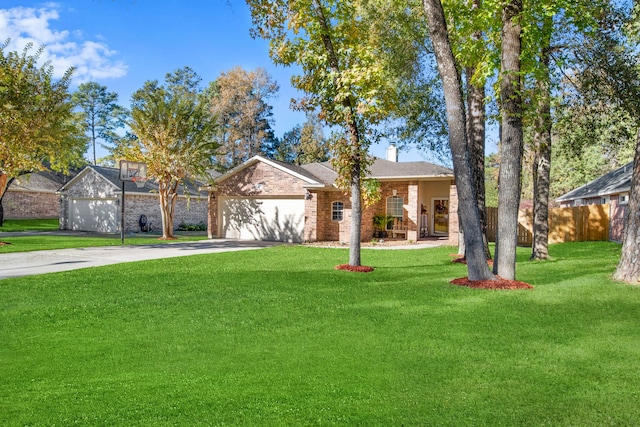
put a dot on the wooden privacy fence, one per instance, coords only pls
(579, 224)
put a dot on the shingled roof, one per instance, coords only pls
(614, 182)
(322, 174)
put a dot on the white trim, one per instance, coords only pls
(341, 211)
(626, 198)
(81, 174)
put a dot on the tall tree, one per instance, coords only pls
(542, 148)
(101, 113)
(342, 77)
(612, 74)
(239, 101)
(37, 124)
(174, 132)
(512, 141)
(452, 83)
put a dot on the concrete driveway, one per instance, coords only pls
(39, 262)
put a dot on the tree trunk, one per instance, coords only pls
(629, 267)
(4, 184)
(512, 142)
(470, 216)
(355, 232)
(476, 132)
(355, 173)
(542, 155)
(168, 198)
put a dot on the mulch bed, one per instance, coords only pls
(498, 283)
(354, 268)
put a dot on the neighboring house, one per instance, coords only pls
(264, 199)
(91, 201)
(612, 188)
(33, 195)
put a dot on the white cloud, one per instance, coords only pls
(92, 59)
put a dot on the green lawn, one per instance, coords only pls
(41, 242)
(278, 337)
(29, 225)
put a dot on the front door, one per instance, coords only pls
(440, 211)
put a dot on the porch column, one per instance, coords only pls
(212, 217)
(413, 216)
(454, 224)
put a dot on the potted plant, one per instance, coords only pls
(382, 222)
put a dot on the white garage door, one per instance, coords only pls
(94, 215)
(280, 220)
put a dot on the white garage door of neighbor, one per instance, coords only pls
(94, 215)
(280, 220)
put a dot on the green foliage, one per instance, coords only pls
(371, 192)
(342, 75)
(201, 226)
(591, 141)
(37, 124)
(302, 144)
(279, 337)
(382, 222)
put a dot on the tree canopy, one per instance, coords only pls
(174, 136)
(240, 103)
(37, 125)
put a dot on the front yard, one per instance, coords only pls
(278, 337)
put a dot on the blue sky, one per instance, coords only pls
(123, 43)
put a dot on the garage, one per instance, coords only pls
(273, 219)
(99, 215)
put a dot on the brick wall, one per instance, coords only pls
(260, 179)
(30, 204)
(311, 231)
(189, 211)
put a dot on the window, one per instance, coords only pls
(624, 198)
(337, 211)
(394, 207)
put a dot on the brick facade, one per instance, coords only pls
(261, 179)
(319, 225)
(30, 204)
(33, 195)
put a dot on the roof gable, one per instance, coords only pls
(294, 170)
(112, 176)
